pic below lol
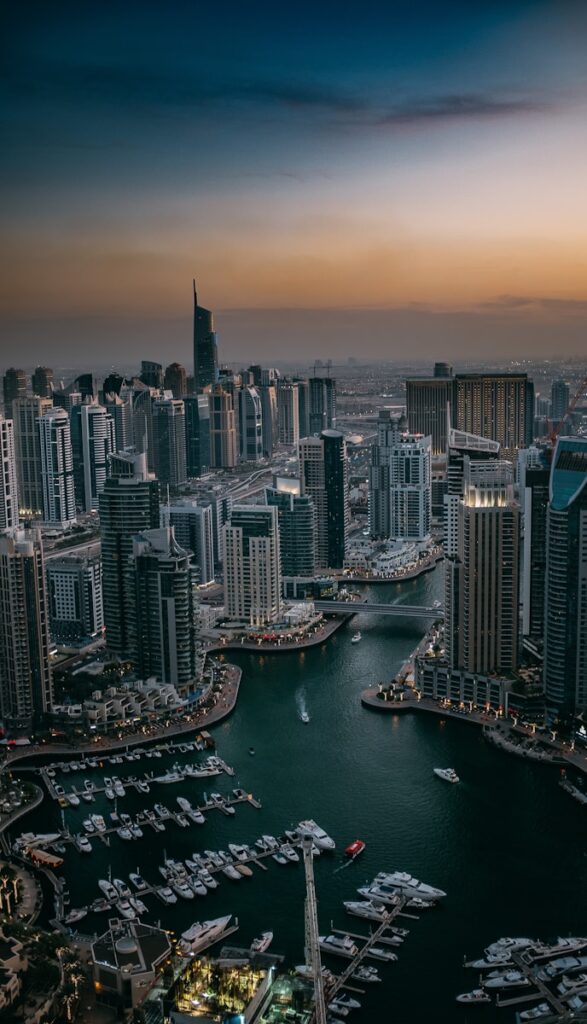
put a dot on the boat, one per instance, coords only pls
(184, 804)
(99, 906)
(138, 881)
(491, 960)
(182, 821)
(198, 887)
(339, 945)
(342, 999)
(355, 848)
(448, 774)
(230, 871)
(509, 945)
(356, 638)
(108, 889)
(536, 1012)
(382, 954)
(137, 905)
(476, 996)
(83, 844)
(118, 787)
(320, 838)
(124, 908)
(366, 974)
(162, 811)
(239, 851)
(267, 844)
(196, 816)
(169, 778)
(408, 885)
(135, 831)
(75, 915)
(73, 799)
(279, 858)
(89, 786)
(143, 787)
(98, 822)
(369, 909)
(208, 879)
(261, 945)
(87, 796)
(252, 751)
(214, 858)
(204, 934)
(166, 894)
(304, 717)
(121, 888)
(221, 803)
(244, 870)
(511, 979)
(306, 972)
(181, 888)
(291, 854)
(123, 832)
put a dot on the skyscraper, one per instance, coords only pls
(463, 449)
(15, 386)
(250, 424)
(151, 374)
(269, 423)
(324, 478)
(222, 430)
(175, 380)
(197, 434)
(193, 528)
(252, 571)
(96, 444)
(129, 504)
(57, 468)
(534, 497)
(25, 674)
(482, 582)
(169, 441)
(9, 517)
(42, 382)
(427, 400)
(322, 404)
(400, 482)
(499, 406)
(297, 526)
(288, 412)
(565, 637)
(162, 619)
(27, 443)
(121, 411)
(205, 349)
(74, 596)
(560, 396)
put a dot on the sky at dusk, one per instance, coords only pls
(342, 179)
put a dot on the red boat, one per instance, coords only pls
(355, 848)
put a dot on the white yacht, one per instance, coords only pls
(261, 945)
(344, 1000)
(135, 831)
(509, 945)
(448, 774)
(208, 879)
(476, 996)
(382, 954)
(182, 821)
(511, 979)
(366, 974)
(184, 804)
(408, 885)
(240, 851)
(230, 871)
(98, 822)
(109, 793)
(182, 888)
(169, 777)
(198, 886)
(491, 960)
(166, 894)
(124, 908)
(143, 787)
(196, 816)
(121, 888)
(369, 909)
(108, 889)
(267, 843)
(391, 897)
(137, 905)
(118, 787)
(356, 637)
(339, 945)
(536, 1012)
(204, 934)
(304, 716)
(291, 854)
(320, 838)
(83, 844)
(73, 799)
(123, 832)
(138, 881)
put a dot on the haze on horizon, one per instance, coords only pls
(377, 180)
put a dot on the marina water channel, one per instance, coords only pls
(507, 844)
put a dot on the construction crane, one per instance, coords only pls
(312, 947)
(573, 401)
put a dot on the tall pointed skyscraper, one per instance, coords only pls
(205, 349)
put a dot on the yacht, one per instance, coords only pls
(108, 889)
(118, 787)
(138, 881)
(98, 822)
(369, 909)
(382, 954)
(346, 1001)
(108, 782)
(89, 786)
(239, 851)
(267, 843)
(366, 974)
(511, 979)
(320, 838)
(162, 810)
(356, 638)
(83, 844)
(182, 889)
(198, 886)
(166, 894)
(73, 799)
(123, 832)
(448, 774)
(230, 871)
(143, 787)
(408, 885)
(291, 854)
(214, 858)
(87, 796)
(121, 888)
(261, 945)
(137, 905)
(339, 945)
(109, 793)
(509, 945)
(279, 858)
(75, 915)
(391, 897)
(184, 804)
(135, 831)
(355, 848)
(182, 821)
(491, 960)
(99, 906)
(208, 879)
(304, 717)
(220, 802)
(168, 778)
(204, 934)
(476, 996)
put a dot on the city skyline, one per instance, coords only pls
(402, 178)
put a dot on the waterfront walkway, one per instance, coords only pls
(323, 633)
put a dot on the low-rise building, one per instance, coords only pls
(126, 961)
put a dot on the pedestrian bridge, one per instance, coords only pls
(410, 611)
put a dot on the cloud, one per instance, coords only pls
(459, 107)
(536, 303)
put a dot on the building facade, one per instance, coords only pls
(324, 479)
(222, 430)
(192, 524)
(74, 595)
(57, 469)
(252, 571)
(427, 401)
(197, 434)
(169, 441)
(9, 514)
(297, 527)
(27, 445)
(205, 348)
(499, 406)
(288, 411)
(250, 424)
(15, 386)
(321, 404)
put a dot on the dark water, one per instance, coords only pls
(507, 844)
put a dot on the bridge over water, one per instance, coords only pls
(409, 611)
